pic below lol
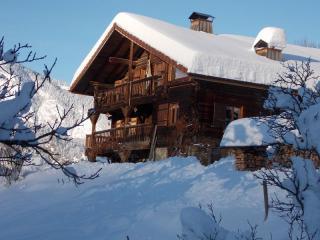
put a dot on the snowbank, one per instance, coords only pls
(247, 132)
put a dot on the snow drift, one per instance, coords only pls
(142, 201)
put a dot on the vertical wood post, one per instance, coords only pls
(93, 151)
(125, 112)
(130, 71)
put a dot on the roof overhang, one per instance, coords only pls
(108, 48)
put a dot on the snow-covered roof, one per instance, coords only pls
(274, 37)
(224, 55)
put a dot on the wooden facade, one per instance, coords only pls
(157, 108)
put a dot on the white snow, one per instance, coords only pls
(197, 224)
(44, 104)
(225, 55)
(274, 37)
(308, 182)
(9, 56)
(247, 132)
(309, 126)
(143, 201)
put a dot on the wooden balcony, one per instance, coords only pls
(125, 138)
(128, 93)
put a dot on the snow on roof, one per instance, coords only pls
(274, 37)
(246, 132)
(225, 56)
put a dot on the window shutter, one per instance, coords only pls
(162, 116)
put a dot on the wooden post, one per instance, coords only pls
(130, 73)
(125, 112)
(93, 151)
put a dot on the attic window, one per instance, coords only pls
(270, 42)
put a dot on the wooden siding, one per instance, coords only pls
(142, 94)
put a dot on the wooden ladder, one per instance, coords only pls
(153, 144)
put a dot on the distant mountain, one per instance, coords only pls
(55, 94)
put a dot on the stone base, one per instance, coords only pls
(161, 153)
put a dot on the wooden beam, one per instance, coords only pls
(228, 81)
(103, 85)
(150, 49)
(130, 62)
(100, 72)
(119, 60)
(130, 71)
(124, 61)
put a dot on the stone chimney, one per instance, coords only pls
(201, 22)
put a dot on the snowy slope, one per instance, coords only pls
(55, 94)
(226, 56)
(141, 200)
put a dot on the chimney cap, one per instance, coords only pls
(197, 15)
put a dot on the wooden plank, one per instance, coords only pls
(102, 85)
(119, 60)
(150, 49)
(130, 72)
(229, 81)
(153, 144)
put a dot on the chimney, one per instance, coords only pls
(201, 22)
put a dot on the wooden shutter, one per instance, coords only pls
(162, 116)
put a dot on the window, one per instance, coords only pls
(233, 113)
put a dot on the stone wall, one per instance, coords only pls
(255, 157)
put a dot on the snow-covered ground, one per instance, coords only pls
(143, 201)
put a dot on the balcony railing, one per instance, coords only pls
(113, 138)
(127, 92)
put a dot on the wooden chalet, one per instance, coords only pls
(157, 106)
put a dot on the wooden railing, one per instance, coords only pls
(110, 139)
(124, 93)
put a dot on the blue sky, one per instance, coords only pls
(67, 29)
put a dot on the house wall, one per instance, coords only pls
(216, 101)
